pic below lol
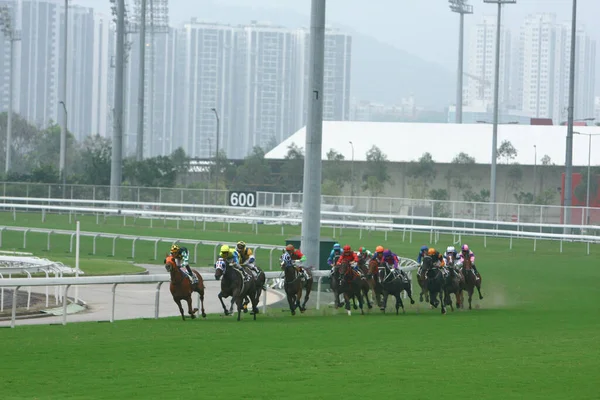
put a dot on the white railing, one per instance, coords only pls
(406, 265)
(460, 226)
(423, 207)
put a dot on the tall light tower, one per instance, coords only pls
(116, 165)
(496, 105)
(13, 35)
(461, 7)
(569, 151)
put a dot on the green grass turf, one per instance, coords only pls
(535, 336)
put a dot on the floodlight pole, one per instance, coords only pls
(141, 84)
(116, 167)
(311, 199)
(461, 7)
(492, 214)
(569, 151)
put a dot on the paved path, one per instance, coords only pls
(133, 301)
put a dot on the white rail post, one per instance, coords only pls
(114, 292)
(77, 238)
(14, 307)
(65, 300)
(157, 300)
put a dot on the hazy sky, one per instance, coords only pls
(425, 28)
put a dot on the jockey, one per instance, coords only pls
(450, 252)
(336, 252)
(438, 260)
(363, 254)
(231, 256)
(378, 253)
(297, 257)
(349, 256)
(422, 253)
(464, 253)
(391, 259)
(182, 259)
(247, 258)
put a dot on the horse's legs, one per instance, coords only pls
(291, 302)
(478, 286)
(354, 302)
(178, 301)
(366, 295)
(191, 311)
(408, 290)
(308, 288)
(347, 303)
(470, 292)
(398, 303)
(384, 299)
(220, 296)
(299, 298)
(360, 301)
(201, 293)
(442, 301)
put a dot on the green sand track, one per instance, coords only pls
(534, 336)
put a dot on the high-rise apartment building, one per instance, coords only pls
(479, 83)
(101, 86)
(205, 69)
(338, 63)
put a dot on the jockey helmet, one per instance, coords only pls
(379, 249)
(387, 253)
(337, 246)
(431, 252)
(289, 247)
(347, 249)
(285, 257)
(241, 245)
(225, 249)
(362, 250)
(424, 248)
(450, 249)
(465, 247)
(175, 248)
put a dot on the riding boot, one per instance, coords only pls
(192, 275)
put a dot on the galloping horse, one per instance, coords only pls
(293, 286)
(393, 285)
(435, 283)
(351, 284)
(374, 281)
(471, 280)
(181, 287)
(453, 285)
(422, 279)
(233, 284)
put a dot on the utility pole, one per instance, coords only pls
(461, 7)
(311, 197)
(13, 35)
(534, 170)
(570, 120)
(492, 214)
(117, 141)
(141, 84)
(63, 128)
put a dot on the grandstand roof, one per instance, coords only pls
(404, 142)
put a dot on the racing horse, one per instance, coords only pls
(351, 285)
(394, 285)
(374, 281)
(181, 287)
(233, 284)
(422, 279)
(454, 285)
(435, 283)
(294, 284)
(471, 281)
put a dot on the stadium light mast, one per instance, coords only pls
(116, 164)
(311, 198)
(496, 105)
(13, 35)
(461, 7)
(570, 122)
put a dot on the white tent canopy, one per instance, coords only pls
(404, 142)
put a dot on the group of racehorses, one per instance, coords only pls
(376, 277)
(435, 284)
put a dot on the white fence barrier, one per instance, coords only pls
(363, 222)
(408, 265)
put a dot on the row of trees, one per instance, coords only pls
(36, 152)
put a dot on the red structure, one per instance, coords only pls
(577, 215)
